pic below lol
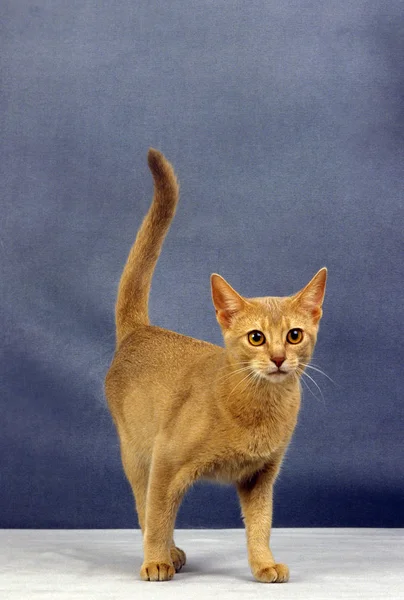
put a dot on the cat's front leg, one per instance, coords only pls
(256, 504)
(165, 491)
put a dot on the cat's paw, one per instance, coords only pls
(178, 557)
(278, 573)
(157, 571)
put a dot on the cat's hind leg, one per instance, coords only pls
(164, 494)
(178, 557)
(138, 477)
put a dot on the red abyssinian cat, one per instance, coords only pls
(185, 409)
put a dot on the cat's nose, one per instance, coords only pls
(278, 360)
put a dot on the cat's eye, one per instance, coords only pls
(256, 338)
(294, 336)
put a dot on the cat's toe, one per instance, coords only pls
(157, 571)
(282, 573)
(178, 557)
(278, 573)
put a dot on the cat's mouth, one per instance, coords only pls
(275, 375)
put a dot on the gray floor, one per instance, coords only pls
(101, 565)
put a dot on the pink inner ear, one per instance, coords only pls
(308, 305)
(316, 313)
(226, 309)
(311, 297)
(226, 300)
(224, 318)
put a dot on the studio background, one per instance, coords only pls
(284, 121)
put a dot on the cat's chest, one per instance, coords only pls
(236, 467)
(261, 425)
(260, 436)
(247, 452)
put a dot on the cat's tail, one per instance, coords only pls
(134, 286)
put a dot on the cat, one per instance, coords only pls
(186, 409)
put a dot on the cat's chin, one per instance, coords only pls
(276, 376)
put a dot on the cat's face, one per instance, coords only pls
(273, 338)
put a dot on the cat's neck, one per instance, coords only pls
(250, 397)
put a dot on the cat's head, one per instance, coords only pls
(273, 337)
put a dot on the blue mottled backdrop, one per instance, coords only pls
(284, 120)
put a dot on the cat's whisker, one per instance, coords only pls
(230, 373)
(225, 377)
(244, 378)
(249, 382)
(301, 373)
(304, 374)
(315, 383)
(257, 381)
(303, 382)
(237, 364)
(306, 385)
(310, 366)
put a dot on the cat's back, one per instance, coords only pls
(152, 355)
(155, 344)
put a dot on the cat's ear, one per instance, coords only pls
(226, 301)
(311, 297)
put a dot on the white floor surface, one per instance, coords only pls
(104, 564)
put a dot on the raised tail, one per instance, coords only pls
(134, 286)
